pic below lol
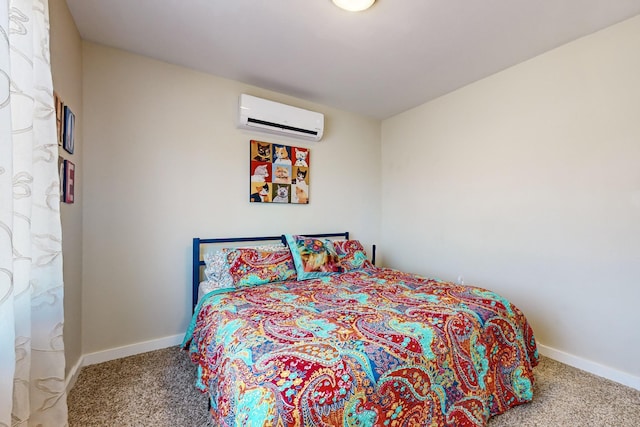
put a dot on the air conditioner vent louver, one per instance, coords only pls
(261, 115)
(276, 125)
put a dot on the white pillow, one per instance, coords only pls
(217, 269)
(207, 286)
(274, 247)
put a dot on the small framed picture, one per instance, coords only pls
(69, 124)
(59, 108)
(69, 180)
(61, 171)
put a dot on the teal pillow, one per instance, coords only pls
(313, 257)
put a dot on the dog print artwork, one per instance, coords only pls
(278, 173)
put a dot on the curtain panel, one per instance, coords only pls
(32, 367)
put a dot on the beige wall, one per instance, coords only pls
(528, 182)
(66, 68)
(165, 163)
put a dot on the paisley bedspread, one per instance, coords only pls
(372, 347)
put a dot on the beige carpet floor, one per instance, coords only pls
(157, 389)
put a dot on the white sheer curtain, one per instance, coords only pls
(32, 386)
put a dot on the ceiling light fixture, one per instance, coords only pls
(354, 5)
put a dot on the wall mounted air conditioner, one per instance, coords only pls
(262, 115)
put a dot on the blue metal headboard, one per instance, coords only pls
(198, 262)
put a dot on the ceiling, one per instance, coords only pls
(390, 58)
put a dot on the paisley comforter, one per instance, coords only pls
(372, 347)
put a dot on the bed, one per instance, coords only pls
(313, 333)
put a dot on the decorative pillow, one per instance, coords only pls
(217, 268)
(249, 266)
(313, 257)
(351, 254)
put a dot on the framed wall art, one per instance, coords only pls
(69, 181)
(69, 125)
(279, 173)
(62, 175)
(59, 110)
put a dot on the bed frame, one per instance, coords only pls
(199, 243)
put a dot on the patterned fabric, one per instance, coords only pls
(274, 247)
(254, 267)
(32, 365)
(313, 257)
(217, 267)
(351, 254)
(371, 347)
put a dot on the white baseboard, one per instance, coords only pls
(131, 350)
(157, 344)
(591, 367)
(73, 375)
(118, 353)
